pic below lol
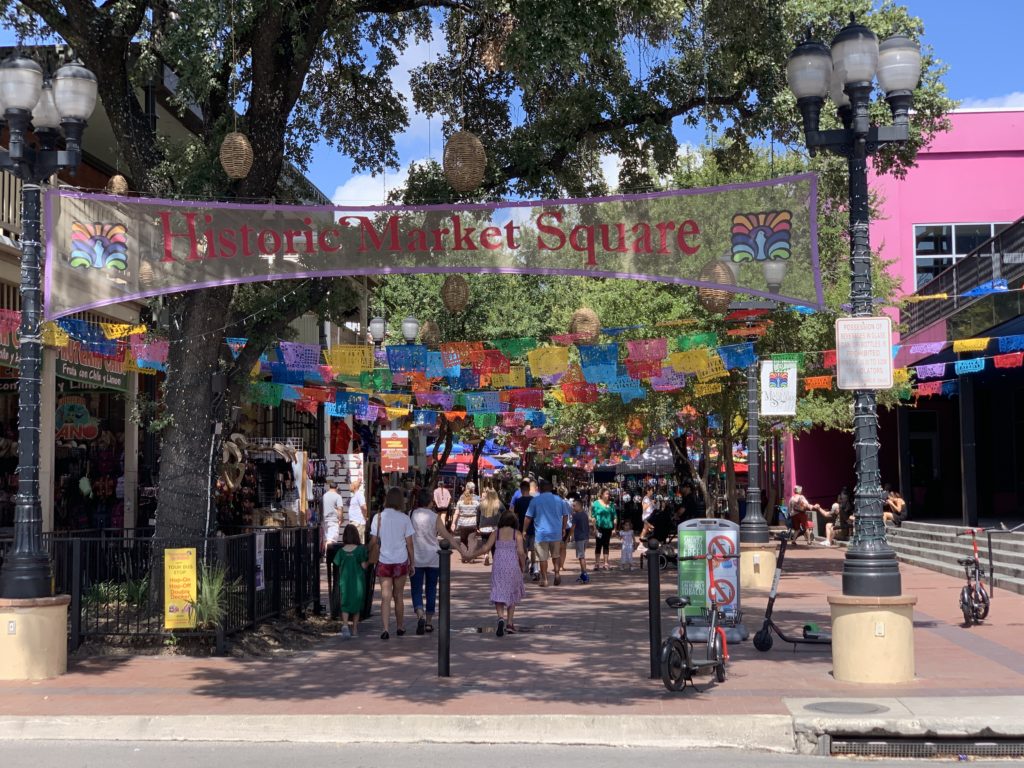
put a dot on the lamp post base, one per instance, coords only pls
(872, 638)
(25, 577)
(34, 643)
(871, 574)
(754, 531)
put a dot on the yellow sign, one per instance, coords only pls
(179, 588)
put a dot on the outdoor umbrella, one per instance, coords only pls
(466, 458)
(457, 447)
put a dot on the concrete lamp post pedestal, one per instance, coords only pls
(33, 637)
(757, 564)
(872, 638)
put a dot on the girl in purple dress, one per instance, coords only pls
(509, 557)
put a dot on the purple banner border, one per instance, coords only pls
(810, 177)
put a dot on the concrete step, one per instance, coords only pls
(1012, 583)
(956, 548)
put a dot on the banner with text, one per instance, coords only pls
(104, 250)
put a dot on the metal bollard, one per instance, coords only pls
(444, 613)
(654, 604)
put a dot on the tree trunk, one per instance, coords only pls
(474, 467)
(186, 470)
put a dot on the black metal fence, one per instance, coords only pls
(114, 578)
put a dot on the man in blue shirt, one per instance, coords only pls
(548, 519)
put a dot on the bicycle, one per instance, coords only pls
(678, 664)
(974, 599)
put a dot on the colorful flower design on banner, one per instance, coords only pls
(98, 246)
(761, 236)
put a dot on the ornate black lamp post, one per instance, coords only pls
(62, 104)
(846, 72)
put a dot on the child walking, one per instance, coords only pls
(626, 536)
(351, 561)
(580, 537)
(509, 559)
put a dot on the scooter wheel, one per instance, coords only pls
(673, 665)
(763, 640)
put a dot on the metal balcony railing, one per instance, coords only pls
(999, 258)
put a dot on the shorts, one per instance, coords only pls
(392, 570)
(581, 549)
(547, 550)
(801, 521)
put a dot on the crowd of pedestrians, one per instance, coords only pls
(526, 536)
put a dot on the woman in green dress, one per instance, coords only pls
(351, 561)
(602, 512)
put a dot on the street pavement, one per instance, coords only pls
(84, 754)
(581, 655)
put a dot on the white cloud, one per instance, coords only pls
(1013, 100)
(368, 189)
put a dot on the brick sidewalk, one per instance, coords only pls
(582, 650)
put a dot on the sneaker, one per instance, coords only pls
(580, 580)
(585, 578)
(346, 633)
(500, 631)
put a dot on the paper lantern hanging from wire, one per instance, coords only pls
(585, 324)
(455, 293)
(715, 300)
(430, 334)
(236, 155)
(465, 161)
(118, 185)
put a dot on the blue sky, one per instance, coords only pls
(979, 40)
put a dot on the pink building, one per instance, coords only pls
(965, 189)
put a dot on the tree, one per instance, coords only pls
(549, 89)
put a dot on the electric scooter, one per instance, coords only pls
(812, 633)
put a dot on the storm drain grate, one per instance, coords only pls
(925, 748)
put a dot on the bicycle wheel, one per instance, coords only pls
(662, 562)
(982, 602)
(716, 647)
(673, 664)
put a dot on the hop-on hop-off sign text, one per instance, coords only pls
(864, 353)
(103, 249)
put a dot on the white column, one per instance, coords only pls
(131, 453)
(48, 435)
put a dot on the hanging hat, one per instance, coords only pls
(286, 452)
(239, 439)
(229, 452)
(233, 475)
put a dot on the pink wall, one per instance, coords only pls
(970, 174)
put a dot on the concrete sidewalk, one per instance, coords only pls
(581, 655)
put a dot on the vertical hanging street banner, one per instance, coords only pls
(103, 249)
(180, 588)
(394, 451)
(778, 387)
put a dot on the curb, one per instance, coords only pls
(771, 733)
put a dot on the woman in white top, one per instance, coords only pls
(429, 527)
(392, 531)
(466, 514)
(490, 509)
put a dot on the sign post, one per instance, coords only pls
(180, 587)
(864, 353)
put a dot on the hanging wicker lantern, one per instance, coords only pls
(492, 52)
(464, 161)
(430, 333)
(715, 300)
(236, 155)
(146, 275)
(118, 185)
(455, 293)
(585, 324)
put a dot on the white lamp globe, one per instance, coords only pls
(855, 51)
(809, 69)
(21, 82)
(899, 64)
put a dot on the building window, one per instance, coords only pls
(938, 246)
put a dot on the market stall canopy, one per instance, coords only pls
(656, 460)
(484, 462)
(457, 447)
